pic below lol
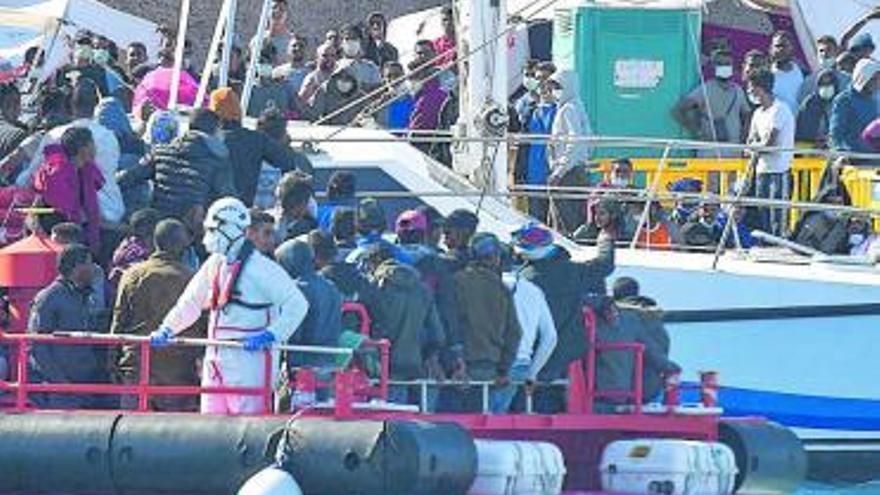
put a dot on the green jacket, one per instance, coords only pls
(486, 318)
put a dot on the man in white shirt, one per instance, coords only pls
(84, 101)
(773, 125)
(788, 76)
(538, 332)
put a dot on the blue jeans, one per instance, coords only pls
(500, 398)
(774, 186)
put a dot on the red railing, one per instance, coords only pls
(21, 387)
(583, 399)
(349, 385)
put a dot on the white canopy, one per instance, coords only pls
(50, 23)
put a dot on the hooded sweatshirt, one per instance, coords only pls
(72, 193)
(571, 122)
(323, 323)
(328, 99)
(404, 313)
(111, 114)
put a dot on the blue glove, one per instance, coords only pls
(161, 337)
(259, 341)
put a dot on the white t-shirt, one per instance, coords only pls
(787, 86)
(764, 121)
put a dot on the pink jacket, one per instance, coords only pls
(72, 193)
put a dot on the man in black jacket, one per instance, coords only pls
(248, 149)
(568, 285)
(194, 169)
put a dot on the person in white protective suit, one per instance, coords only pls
(251, 299)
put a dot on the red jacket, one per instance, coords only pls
(72, 193)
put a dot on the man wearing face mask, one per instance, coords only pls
(82, 66)
(364, 70)
(338, 92)
(326, 65)
(717, 110)
(827, 52)
(251, 300)
(813, 122)
(787, 74)
(855, 108)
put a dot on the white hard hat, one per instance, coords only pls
(227, 211)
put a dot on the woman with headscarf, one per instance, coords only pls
(814, 116)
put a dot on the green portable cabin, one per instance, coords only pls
(634, 61)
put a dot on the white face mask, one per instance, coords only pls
(219, 241)
(826, 92)
(856, 239)
(344, 86)
(264, 71)
(827, 63)
(101, 57)
(351, 48)
(557, 95)
(531, 83)
(754, 99)
(413, 86)
(724, 72)
(617, 181)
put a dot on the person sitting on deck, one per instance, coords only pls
(147, 291)
(64, 306)
(651, 333)
(703, 229)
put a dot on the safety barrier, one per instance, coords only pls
(718, 176)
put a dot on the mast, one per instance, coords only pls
(483, 93)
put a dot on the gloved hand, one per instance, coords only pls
(161, 337)
(259, 341)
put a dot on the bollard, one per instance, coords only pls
(709, 388)
(671, 394)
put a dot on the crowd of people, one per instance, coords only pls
(217, 230)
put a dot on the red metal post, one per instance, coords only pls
(344, 394)
(266, 393)
(709, 388)
(22, 371)
(672, 393)
(590, 323)
(144, 378)
(363, 315)
(639, 372)
(385, 365)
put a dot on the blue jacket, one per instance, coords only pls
(851, 112)
(541, 122)
(323, 323)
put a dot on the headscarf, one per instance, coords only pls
(224, 102)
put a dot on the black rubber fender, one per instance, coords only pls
(770, 457)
